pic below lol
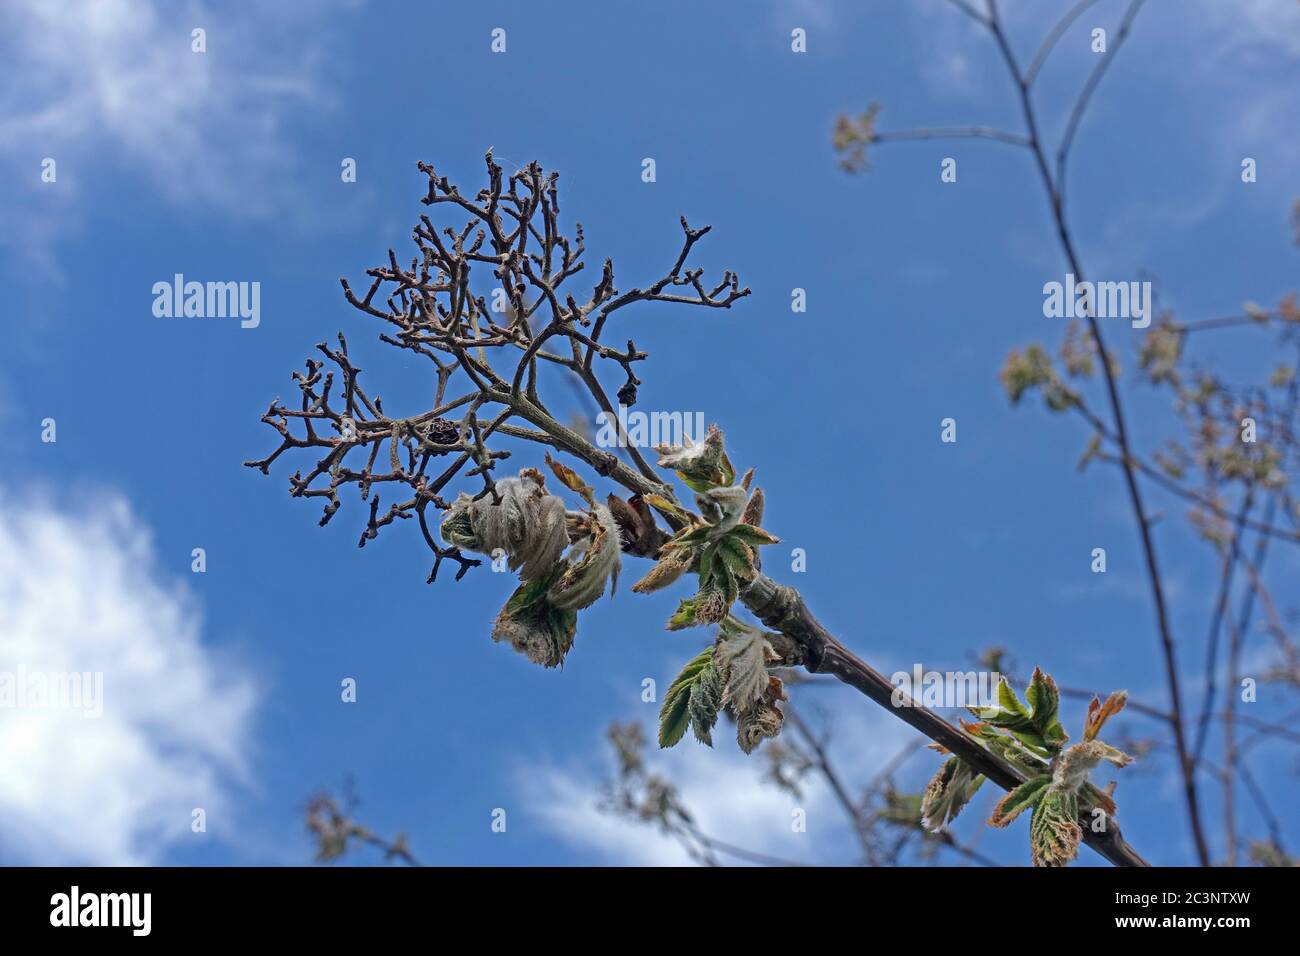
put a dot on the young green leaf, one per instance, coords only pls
(738, 558)
(707, 556)
(674, 718)
(674, 715)
(1024, 797)
(1054, 832)
(753, 536)
(1044, 701)
(706, 701)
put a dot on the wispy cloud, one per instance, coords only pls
(79, 592)
(725, 792)
(113, 86)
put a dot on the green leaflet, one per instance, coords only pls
(528, 594)
(1020, 799)
(1015, 752)
(751, 535)
(737, 558)
(675, 715)
(728, 471)
(696, 484)
(564, 626)
(1008, 701)
(706, 701)
(730, 586)
(1011, 715)
(1042, 696)
(694, 536)
(674, 719)
(707, 557)
(1045, 700)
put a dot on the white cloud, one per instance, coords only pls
(79, 592)
(1247, 27)
(98, 84)
(724, 791)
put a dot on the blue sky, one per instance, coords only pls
(225, 166)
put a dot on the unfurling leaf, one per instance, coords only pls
(701, 466)
(752, 536)
(1044, 701)
(674, 718)
(711, 605)
(667, 570)
(528, 524)
(948, 792)
(1077, 762)
(676, 713)
(583, 581)
(763, 720)
(1024, 797)
(1009, 713)
(688, 537)
(1054, 832)
(706, 701)
(535, 627)
(742, 659)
